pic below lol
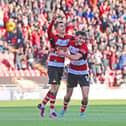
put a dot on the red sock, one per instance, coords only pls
(65, 105)
(46, 99)
(52, 101)
(83, 108)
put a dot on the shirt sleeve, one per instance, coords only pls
(49, 31)
(84, 51)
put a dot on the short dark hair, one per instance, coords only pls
(78, 33)
(83, 33)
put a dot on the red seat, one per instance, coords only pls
(11, 73)
(6, 74)
(21, 73)
(32, 73)
(17, 73)
(26, 73)
(37, 73)
(1, 74)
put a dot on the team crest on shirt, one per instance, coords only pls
(61, 42)
(73, 49)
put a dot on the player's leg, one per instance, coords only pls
(66, 101)
(43, 104)
(71, 83)
(47, 97)
(84, 83)
(55, 79)
(53, 94)
(67, 98)
(84, 102)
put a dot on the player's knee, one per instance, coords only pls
(84, 101)
(67, 99)
(54, 89)
(53, 93)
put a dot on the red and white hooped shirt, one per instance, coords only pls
(60, 43)
(78, 67)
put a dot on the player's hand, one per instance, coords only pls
(52, 50)
(61, 52)
(54, 17)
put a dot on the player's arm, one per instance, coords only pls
(76, 56)
(49, 30)
(51, 36)
(82, 53)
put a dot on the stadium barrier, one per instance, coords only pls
(97, 91)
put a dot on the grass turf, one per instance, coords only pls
(99, 113)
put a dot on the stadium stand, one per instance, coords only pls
(24, 23)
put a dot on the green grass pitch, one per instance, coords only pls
(99, 113)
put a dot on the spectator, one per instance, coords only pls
(36, 40)
(43, 56)
(98, 62)
(124, 75)
(10, 27)
(89, 14)
(105, 62)
(24, 23)
(19, 35)
(113, 58)
(1, 17)
(118, 78)
(18, 58)
(122, 60)
(30, 58)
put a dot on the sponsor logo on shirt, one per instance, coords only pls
(61, 42)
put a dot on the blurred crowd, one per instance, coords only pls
(24, 23)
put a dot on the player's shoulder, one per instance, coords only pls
(72, 42)
(84, 47)
(84, 44)
(69, 37)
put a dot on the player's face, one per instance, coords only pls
(79, 40)
(83, 38)
(61, 28)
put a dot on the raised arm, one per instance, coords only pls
(49, 31)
